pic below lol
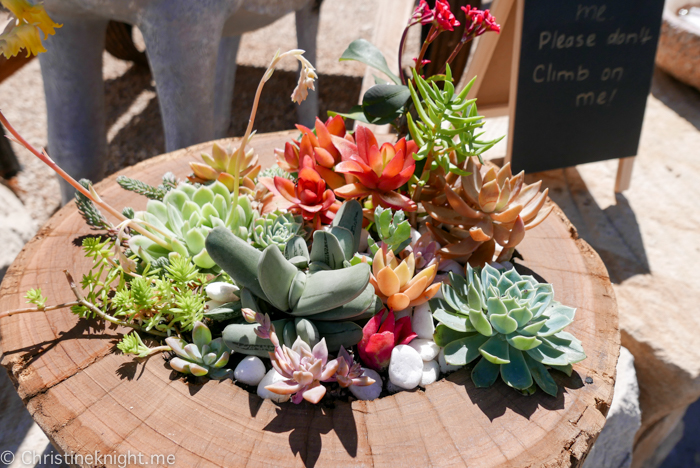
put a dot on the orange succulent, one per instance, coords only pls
(221, 166)
(379, 171)
(395, 283)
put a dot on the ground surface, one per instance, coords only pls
(647, 236)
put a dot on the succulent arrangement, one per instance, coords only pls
(344, 255)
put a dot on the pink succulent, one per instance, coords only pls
(378, 342)
(349, 372)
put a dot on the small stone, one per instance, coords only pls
(415, 235)
(364, 245)
(211, 305)
(271, 377)
(250, 371)
(405, 367)
(391, 388)
(403, 313)
(422, 321)
(431, 371)
(370, 392)
(222, 292)
(427, 349)
(444, 366)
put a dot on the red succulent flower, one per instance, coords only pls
(444, 18)
(378, 342)
(309, 196)
(379, 171)
(480, 22)
(423, 14)
(319, 147)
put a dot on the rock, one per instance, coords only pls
(211, 305)
(614, 446)
(370, 392)
(271, 377)
(431, 371)
(678, 45)
(222, 292)
(250, 371)
(452, 266)
(427, 349)
(444, 366)
(16, 227)
(403, 313)
(415, 235)
(655, 443)
(391, 388)
(422, 321)
(405, 367)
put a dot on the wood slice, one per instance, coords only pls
(88, 398)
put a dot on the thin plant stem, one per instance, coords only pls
(10, 313)
(81, 300)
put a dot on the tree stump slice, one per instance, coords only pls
(88, 398)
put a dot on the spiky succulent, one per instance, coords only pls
(393, 230)
(184, 219)
(276, 228)
(512, 323)
(203, 357)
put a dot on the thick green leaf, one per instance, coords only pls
(444, 335)
(276, 275)
(326, 290)
(346, 241)
(296, 247)
(464, 350)
(548, 356)
(523, 343)
(480, 322)
(364, 51)
(456, 302)
(349, 216)
(485, 373)
(503, 324)
(228, 311)
(516, 373)
(382, 104)
(521, 315)
(352, 309)
(456, 322)
(495, 350)
(541, 376)
(567, 343)
(326, 249)
(567, 369)
(355, 113)
(339, 334)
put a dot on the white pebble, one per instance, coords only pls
(444, 366)
(211, 305)
(431, 371)
(271, 377)
(222, 292)
(438, 294)
(364, 245)
(403, 313)
(427, 349)
(405, 367)
(391, 388)
(370, 392)
(451, 265)
(415, 235)
(250, 371)
(422, 321)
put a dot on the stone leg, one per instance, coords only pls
(225, 82)
(307, 30)
(182, 38)
(72, 73)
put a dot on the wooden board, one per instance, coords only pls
(88, 398)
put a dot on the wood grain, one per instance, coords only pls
(88, 398)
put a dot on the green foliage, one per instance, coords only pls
(142, 188)
(276, 228)
(132, 344)
(128, 212)
(511, 322)
(394, 230)
(90, 213)
(446, 123)
(364, 51)
(35, 297)
(202, 357)
(274, 171)
(385, 103)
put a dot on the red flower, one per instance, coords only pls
(480, 22)
(379, 171)
(309, 196)
(317, 146)
(377, 343)
(423, 14)
(444, 18)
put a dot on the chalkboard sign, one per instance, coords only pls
(583, 78)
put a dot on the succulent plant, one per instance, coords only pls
(320, 147)
(393, 230)
(184, 219)
(203, 357)
(484, 211)
(276, 228)
(225, 166)
(378, 341)
(309, 195)
(380, 170)
(397, 284)
(424, 250)
(511, 322)
(329, 294)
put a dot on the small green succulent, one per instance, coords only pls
(184, 219)
(276, 228)
(203, 357)
(394, 230)
(509, 320)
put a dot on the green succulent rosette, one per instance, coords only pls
(276, 228)
(511, 324)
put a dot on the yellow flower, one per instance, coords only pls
(32, 14)
(24, 36)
